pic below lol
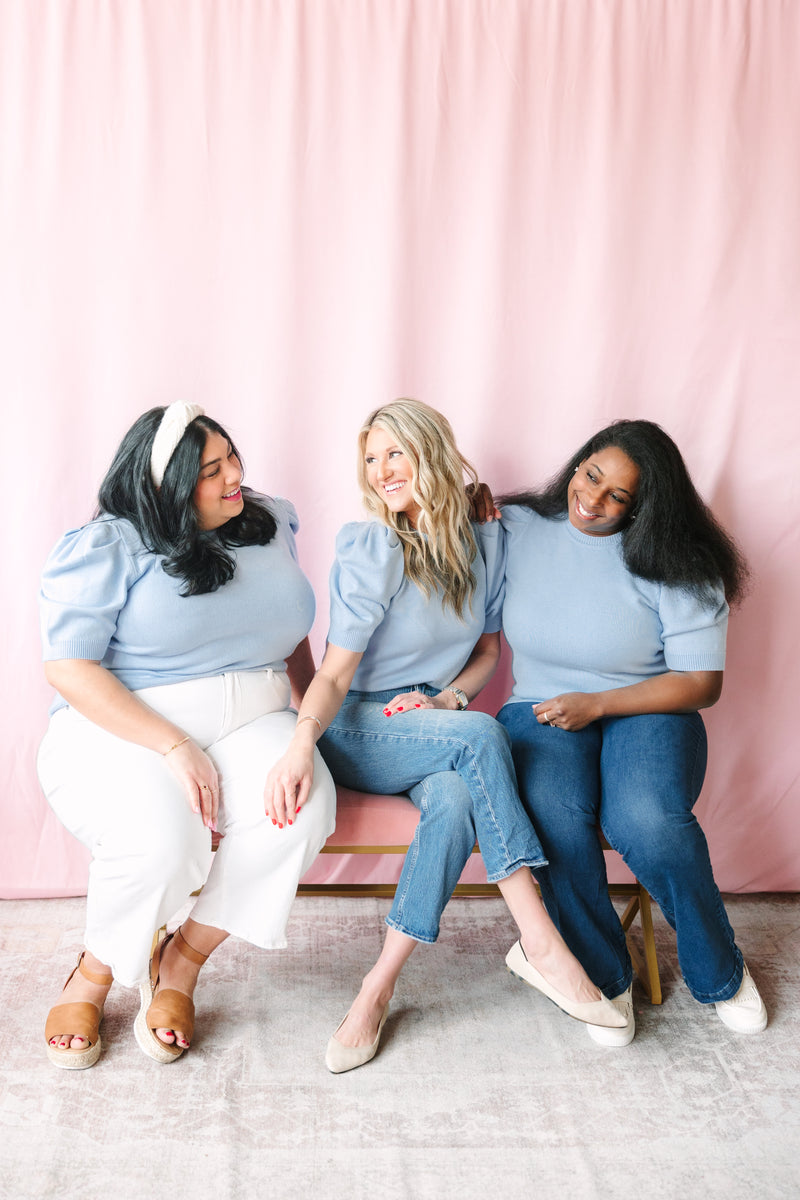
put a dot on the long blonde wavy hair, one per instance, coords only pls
(439, 552)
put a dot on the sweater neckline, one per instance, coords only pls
(591, 541)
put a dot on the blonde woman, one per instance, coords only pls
(413, 638)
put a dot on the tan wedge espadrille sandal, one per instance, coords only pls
(80, 1018)
(167, 1009)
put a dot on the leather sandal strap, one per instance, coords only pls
(183, 947)
(80, 1018)
(172, 1010)
(92, 976)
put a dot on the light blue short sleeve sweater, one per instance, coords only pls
(106, 597)
(406, 638)
(577, 620)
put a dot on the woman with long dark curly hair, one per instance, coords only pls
(175, 633)
(617, 585)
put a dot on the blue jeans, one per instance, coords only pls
(639, 779)
(457, 769)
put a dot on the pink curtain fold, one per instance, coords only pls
(536, 216)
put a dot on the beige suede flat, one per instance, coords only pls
(593, 1012)
(339, 1058)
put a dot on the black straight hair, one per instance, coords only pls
(670, 535)
(165, 517)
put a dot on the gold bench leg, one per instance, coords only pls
(650, 956)
(646, 968)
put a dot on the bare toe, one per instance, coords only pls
(65, 1041)
(170, 1036)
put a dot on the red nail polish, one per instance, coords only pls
(274, 822)
(288, 822)
(386, 712)
(417, 706)
(399, 708)
(280, 826)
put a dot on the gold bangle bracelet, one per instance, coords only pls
(310, 718)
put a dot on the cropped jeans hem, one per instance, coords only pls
(417, 937)
(499, 876)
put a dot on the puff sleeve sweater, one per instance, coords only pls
(406, 637)
(106, 597)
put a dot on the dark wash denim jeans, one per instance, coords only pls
(639, 779)
(458, 771)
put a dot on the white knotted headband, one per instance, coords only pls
(172, 428)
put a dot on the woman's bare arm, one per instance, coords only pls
(289, 781)
(99, 696)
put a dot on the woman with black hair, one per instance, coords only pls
(618, 580)
(175, 634)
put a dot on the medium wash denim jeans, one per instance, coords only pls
(639, 779)
(457, 769)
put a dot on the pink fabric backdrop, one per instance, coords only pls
(534, 216)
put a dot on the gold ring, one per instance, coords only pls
(547, 718)
(204, 787)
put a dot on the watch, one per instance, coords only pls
(461, 697)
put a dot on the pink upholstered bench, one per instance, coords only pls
(373, 824)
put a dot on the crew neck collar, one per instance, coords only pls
(591, 540)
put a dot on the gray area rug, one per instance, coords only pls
(482, 1088)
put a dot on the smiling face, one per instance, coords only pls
(390, 474)
(602, 492)
(218, 494)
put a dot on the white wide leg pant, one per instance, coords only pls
(150, 851)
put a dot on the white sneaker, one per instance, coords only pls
(744, 1012)
(617, 1037)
